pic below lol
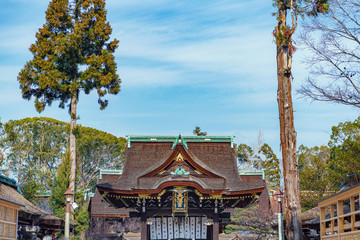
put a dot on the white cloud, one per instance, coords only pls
(17, 39)
(148, 77)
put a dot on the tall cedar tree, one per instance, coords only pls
(72, 53)
(285, 49)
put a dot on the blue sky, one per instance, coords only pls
(182, 64)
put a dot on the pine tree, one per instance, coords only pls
(72, 53)
(197, 132)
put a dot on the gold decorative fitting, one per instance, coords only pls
(144, 195)
(105, 194)
(198, 193)
(179, 158)
(215, 195)
(161, 193)
(180, 201)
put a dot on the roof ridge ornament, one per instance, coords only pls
(180, 140)
(175, 140)
(180, 171)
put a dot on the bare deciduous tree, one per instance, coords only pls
(334, 43)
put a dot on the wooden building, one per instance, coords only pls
(8, 219)
(32, 220)
(343, 221)
(181, 186)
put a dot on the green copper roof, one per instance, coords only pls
(9, 181)
(253, 172)
(175, 139)
(109, 172)
(43, 193)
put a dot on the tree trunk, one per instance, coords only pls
(73, 143)
(287, 133)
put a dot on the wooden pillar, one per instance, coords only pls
(332, 207)
(216, 230)
(340, 213)
(322, 223)
(143, 230)
(352, 210)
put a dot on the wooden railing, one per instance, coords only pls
(340, 225)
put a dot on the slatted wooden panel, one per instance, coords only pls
(8, 218)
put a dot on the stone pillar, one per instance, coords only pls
(216, 230)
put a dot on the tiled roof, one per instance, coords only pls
(10, 192)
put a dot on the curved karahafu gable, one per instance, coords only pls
(209, 163)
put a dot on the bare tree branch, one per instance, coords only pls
(335, 47)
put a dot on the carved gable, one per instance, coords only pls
(179, 166)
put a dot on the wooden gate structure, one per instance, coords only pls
(180, 186)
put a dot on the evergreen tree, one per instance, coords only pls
(72, 52)
(33, 148)
(266, 160)
(271, 166)
(344, 162)
(252, 219)
(96, 150)
(81, 215)
(245, 153)
(57, 201)
(59, 186)
(197, 132)
(314, 172)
